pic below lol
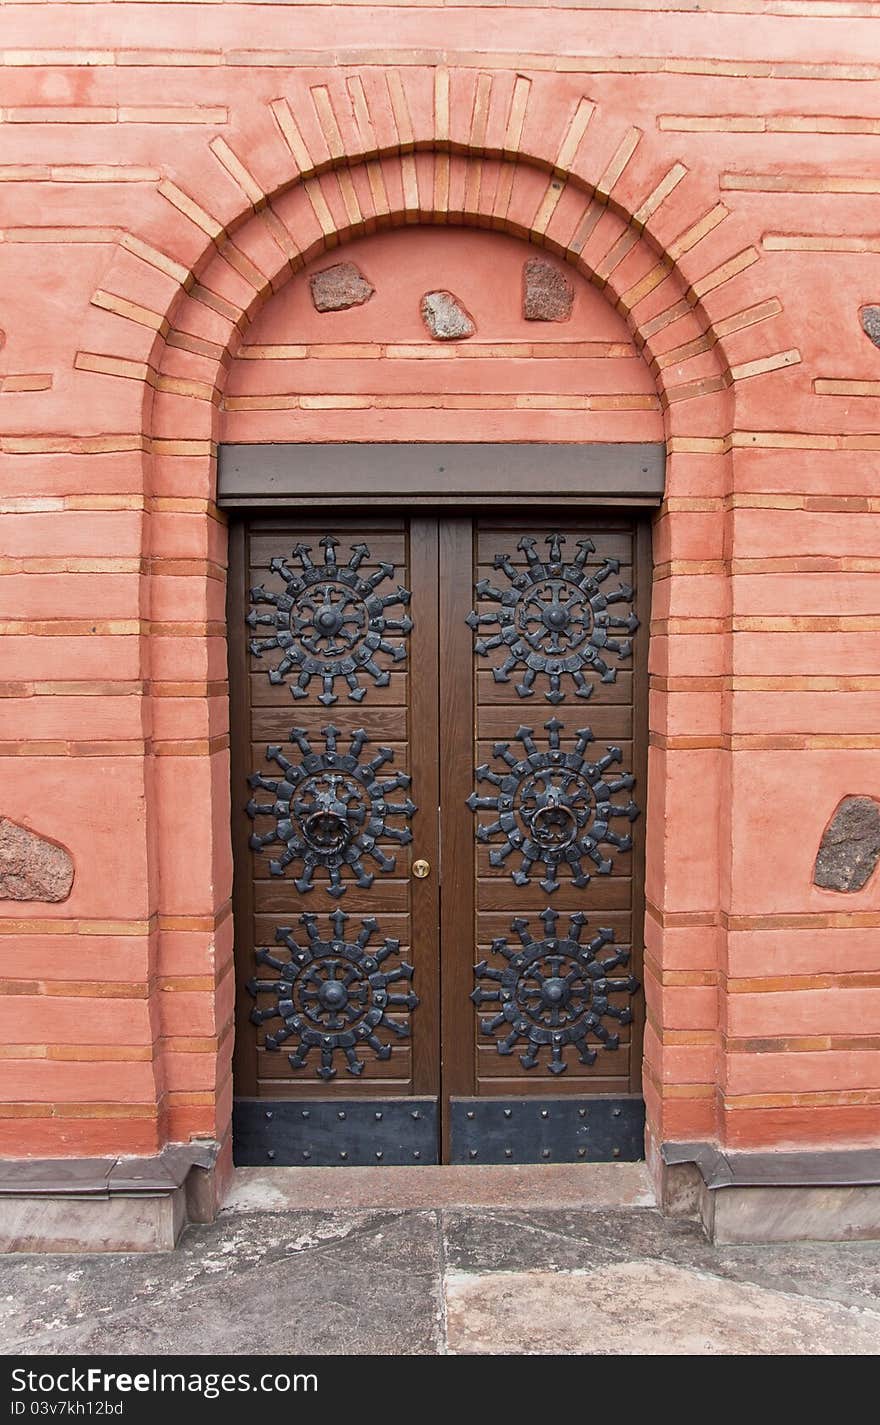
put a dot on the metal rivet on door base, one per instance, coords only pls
(535, 1130)
(328, 1131)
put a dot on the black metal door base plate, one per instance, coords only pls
(325, 1132)
(547, 1130)
(375, 1132)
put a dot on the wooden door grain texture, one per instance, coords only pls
(502, 902)
(515, 714)
(387, 721)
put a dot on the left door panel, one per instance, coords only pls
(333, 684)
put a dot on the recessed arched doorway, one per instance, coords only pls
(438, 669)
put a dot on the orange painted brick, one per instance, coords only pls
(801, 1127)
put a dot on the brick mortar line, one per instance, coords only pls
(372, 57)
(801, 1044)
(799, 984)
(677, 444)
(693, 624)
(115, 989)
(134, 1112)
(789, 683)
(605, 403)
(807, 1098)
(118, 747)
(795, 983)
(111, 628)
(712, 920)
(116, 1053)
(134, 687)
(563, 349)
(764, 742)
(219, 742)
(783, 9)
(83, 926)
(141, 1110)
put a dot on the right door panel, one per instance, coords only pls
(543, 868)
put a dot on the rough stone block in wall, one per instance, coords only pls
(445, 317)
(548, 295)
(336, 288)
(850, 847)
(871, 323)
(32, 868)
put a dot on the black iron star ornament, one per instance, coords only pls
(554, 619)
(332, 994)
(554, 992)
(554, 807)
(330, 810)
(330, 621)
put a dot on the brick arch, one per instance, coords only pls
(662, 311)
(662, 250)
(659, 295)
(377, 146)
(653, 236)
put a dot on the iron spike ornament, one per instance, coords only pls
(554, 620)
(554, 807)
(330, 810)
(332, 994)
(330, 621)
(554, 992)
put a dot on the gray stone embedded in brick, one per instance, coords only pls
(445, 317)
(339, 287)
(850, 846)
(547, 293)
(871, 323)
(31, 868)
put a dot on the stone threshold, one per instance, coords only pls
(583, 1186)
(105, 1204)
(822, 1195)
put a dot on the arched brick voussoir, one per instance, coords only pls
(656, 294)
(326, 161)
(335, 155)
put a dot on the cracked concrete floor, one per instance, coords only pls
(452, 1280)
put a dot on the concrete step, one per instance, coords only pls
(580, 1185)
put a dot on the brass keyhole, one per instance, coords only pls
(421, 869)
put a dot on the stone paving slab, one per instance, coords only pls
(308, 1282)
(643, 1308)
(845, 1272)
(607, 1280)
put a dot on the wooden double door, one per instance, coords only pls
(438, 788)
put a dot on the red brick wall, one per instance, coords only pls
(167, 170)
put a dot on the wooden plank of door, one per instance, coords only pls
(405, 709)
(642, 581)
(424, 739)
(525, 725)
(457, 838)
